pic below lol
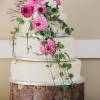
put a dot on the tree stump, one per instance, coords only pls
(31, 92)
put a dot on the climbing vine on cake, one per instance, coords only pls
(43, 14)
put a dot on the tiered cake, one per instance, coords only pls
(46, 57)
(34, 69)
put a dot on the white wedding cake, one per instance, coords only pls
(32, 68)
(46, 66)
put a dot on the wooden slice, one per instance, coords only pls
(31, 92)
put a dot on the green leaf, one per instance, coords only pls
(59, 45)
(38, 32)
(31, 27)
(61, 74)
(44, 42)
(58, 60)
(16, 29)
(47, 32)
(53, 34)
(50, 65)
(69, 66)
(71, 76)
(55, 18)
(12, 32)
(45, 53)
(31, 47)
(66, 54)
(64, 25)
(64, 86)
(72, 29)
(20, 20)
(17, 19)
(75, 84)
(54, 78)
(47, 65)
(61, 66)
(64, 65)
(41, 33)
(61, 56)
(68, 31)
(49, 13)
(13, 38)
(76, 95)
(56, 55)
(27, 34)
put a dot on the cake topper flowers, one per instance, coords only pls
(49, 47)
(40, 8)
(42, 14)
(40, 23)
(27, 11)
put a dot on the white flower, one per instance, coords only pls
(52, 3)
(45, 1)
(60, 8)
(35, 15)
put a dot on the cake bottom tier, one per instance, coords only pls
(38, 72)
(30, 92)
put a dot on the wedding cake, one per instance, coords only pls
(45, 54)
(36, 71)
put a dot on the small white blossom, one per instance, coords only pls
(52, 3)
(35, 15)
(60, 8)
(45, 1)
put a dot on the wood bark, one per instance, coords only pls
(30, 92)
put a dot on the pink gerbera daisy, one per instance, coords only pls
(27, 11)
(40, 8)
(50, 47)
(40, 23)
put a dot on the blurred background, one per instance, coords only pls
(84, 17)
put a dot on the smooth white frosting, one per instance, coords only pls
(26, 25)
(38, 72)
(21, 47)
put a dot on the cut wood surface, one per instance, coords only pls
(31, 92)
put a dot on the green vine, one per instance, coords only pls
(16, 30)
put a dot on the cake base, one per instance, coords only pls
(31, 92)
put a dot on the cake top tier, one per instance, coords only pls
(55, 26)
(42, 15)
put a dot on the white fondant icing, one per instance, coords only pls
(21, 47)
(38, 72)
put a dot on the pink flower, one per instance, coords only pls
(27, 11)
(40, 8)
(58, 2)
(33, 2)
(50, 47)
(40, 23)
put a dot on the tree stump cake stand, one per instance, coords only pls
(36, 91)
